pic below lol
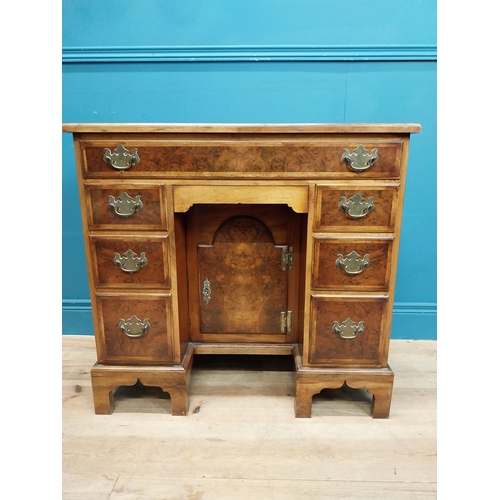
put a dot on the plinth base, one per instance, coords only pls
(377, 381)
(171, 379)
(175, 380)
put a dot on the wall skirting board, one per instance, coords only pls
(410, 320)
(251, 53)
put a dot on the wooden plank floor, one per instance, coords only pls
(241, 440)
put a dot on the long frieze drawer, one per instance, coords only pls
(348, 157)
(130, 262)
(354, 264)
(349, 331)
(118, 206)
(356, 208)
(134, 329)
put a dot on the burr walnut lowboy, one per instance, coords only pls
(242, 239)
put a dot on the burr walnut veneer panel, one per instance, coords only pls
(366, 348)
(143, 206)
(328, 273)
(264, 155)
(116, 347)
(278, 239)
(381, 200)
(152, 269)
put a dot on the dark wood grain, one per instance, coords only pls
(151, 216)
(248, 157)
(238, 248)
(248, 286)
(154, 274)
(206, 219)
(328, 276)
(329, 217)
(154, 346)
(329, 348)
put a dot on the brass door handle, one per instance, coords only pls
(134, 327)
(360, 160)
(120, 158)
(348, 330)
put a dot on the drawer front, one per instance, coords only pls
(349, 331)
(134, 330)
(354, 264)
(128, 206)
(272, 157)
(130, 262)
(351, 208)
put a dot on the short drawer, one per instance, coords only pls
(352, 264)
(348, 157)
(134, 329)
(126, 206)
(356, 208)
(349, 331)
(130, 261)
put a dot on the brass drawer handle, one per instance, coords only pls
(356, 207)
(125, 205)
(348, 330)
(352, 264)
(134, 327)
(130, 262)
(121, 159)
(360, 160)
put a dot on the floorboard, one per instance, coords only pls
(240, 439)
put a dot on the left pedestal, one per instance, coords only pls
(172, 379)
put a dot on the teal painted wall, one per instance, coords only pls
(257, 61)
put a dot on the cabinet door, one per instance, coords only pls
(240, 265)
